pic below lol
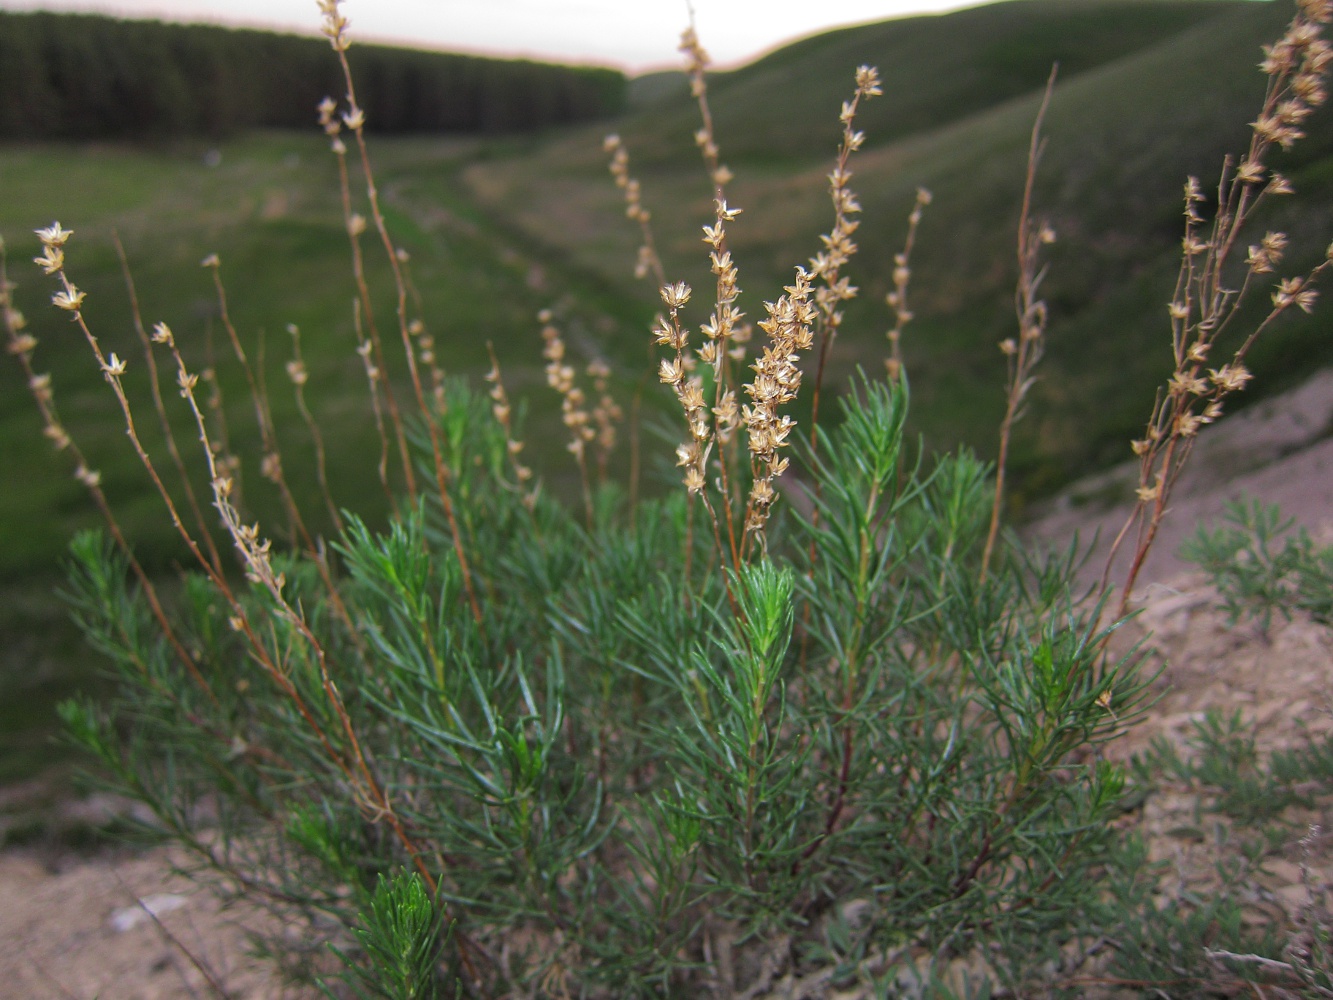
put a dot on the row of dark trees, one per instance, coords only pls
(65, 76)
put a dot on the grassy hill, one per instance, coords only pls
(1149, 92)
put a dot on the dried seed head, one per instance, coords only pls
(52, 259)
(70, 299)
(675, 296)
(24, 343)
(53, 235)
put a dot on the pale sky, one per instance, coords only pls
(631, 34)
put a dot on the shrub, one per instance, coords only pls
(696, 743)
(1260, 566)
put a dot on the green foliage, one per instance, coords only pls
(66, 76)
(1208, 939)
(1163, 948)
(400, 933)
(1261, 567)
(1224, 764)
(635, 751)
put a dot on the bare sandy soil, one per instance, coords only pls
(77, 926)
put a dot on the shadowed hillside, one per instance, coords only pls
(1149, 92)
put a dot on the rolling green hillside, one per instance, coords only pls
(1149, 92)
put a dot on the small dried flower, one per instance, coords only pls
(58, 436)
(1278, 184)
(114, 366)
(70, 299)
(52, 259)
(1230, 377)
(1193, 246)
(676, 295)
(1291, 291)
(1250, 172)
(53, 235)
(162, 334)
(24, 343)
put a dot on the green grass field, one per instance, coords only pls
(1150, 90)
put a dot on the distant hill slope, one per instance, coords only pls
(1150, 91)
(71, 76)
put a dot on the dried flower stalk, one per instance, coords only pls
(503, 414)
(22, 344)
(647, 262)
(573, 404)
(1025, 352)
(839, 247)
(1204, 304)
(355, 225)
(777, 380)
(897, 299)
(354, 118)
(296, 371)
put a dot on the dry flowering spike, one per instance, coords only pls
(902, 274)
(335, 25)
(692, 456)
(296, 371)
(647, 262)
(1206, 301)
(573, 402)
(839, 247)
(503, 413)
(1022, 353)
(725, 332)
(696, 67)
(776, 383)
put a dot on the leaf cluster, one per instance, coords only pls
(1261, 567)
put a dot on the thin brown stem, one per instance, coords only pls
(296, 370)
(356, 122)
(1026, 351)
(154, 384)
